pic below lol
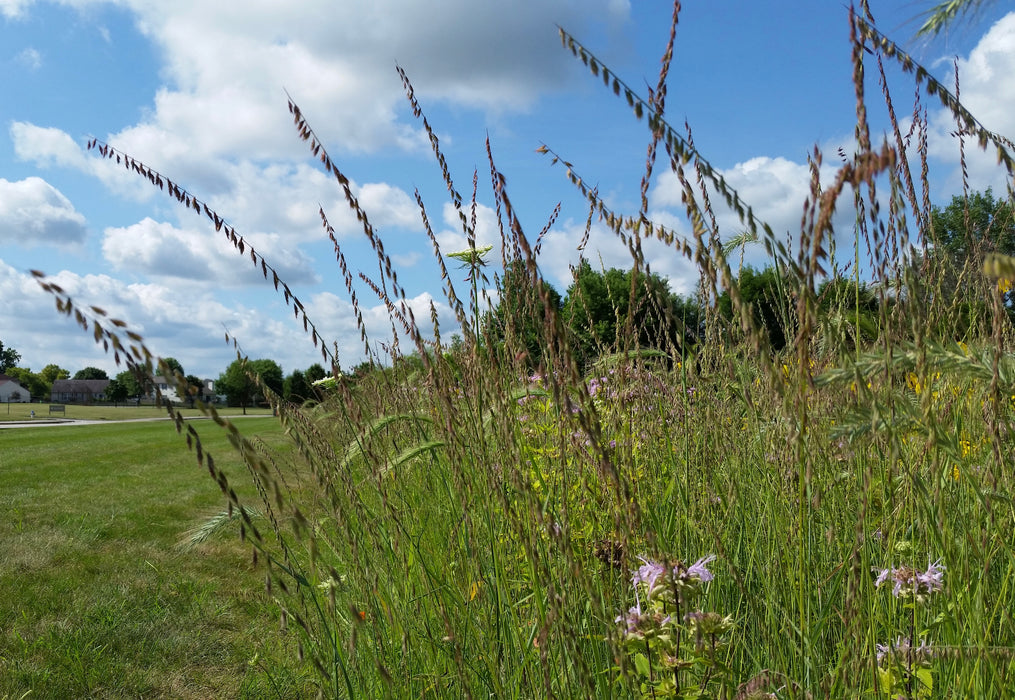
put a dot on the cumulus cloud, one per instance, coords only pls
(13, 9)
(560, 253)
(278, 197)
(30, 58)
(49, 147)
(776, 190)
(336, 320)
(453, 238)
(188, 326)
(162, 251)
(986, 90)
(227, 65)
(33, 212)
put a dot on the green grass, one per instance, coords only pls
(98, 599)
(23, 412)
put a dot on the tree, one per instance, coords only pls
(520, 317)
(50, 373)
(239, 386)
(961, 235)
(33, 383)
(599, 309)
(971, 226)
(764, 292)
(315, 373)
(91, 373)
(173, 365)
(137, 383)
(117, 391)
(296, 388)
(196, 389)
(9, 357)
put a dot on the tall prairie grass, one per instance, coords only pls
(722, 519)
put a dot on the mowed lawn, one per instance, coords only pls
(20, 412)
(97, 598)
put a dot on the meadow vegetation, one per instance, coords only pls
(797, 486)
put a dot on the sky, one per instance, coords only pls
(198, 91)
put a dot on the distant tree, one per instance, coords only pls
(196, 389)
(136, 383)
(972, 226)
(521, 316)
(599, 308)
(764, 292)
(174, 365)
(9, 357)
(117, 392)
(50, 373)
(961, 235)
(91, 373)
(315, 372)
(239, 386)
(296, 388)
(32, 382)
(848, 315)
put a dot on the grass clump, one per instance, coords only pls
(790, 496)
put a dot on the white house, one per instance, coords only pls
(12, 392)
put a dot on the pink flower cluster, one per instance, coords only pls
(910, 581)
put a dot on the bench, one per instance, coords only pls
(57, 408)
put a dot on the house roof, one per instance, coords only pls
(80, 386)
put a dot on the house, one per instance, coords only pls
(167, 387)
(12, 392)
(79, 390)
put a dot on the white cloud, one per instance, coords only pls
(988, 92)
(604, 250)
(187, 326)
(14, 9)
(276, 197)
(49, 146)
(163, 252)
(775, 188)
(30, 58)
(45, 146)
(336, 319)
(33, 212)
(453, 238)
(227, 64)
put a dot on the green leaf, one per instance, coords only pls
(886, 679)
(926, 678)
(641, 665)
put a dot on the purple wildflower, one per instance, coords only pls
(933, 578)
(902, 649)
(699, 569)
(908, 580)
(632, 619)
(648, 573)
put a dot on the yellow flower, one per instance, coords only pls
(1004, 285)
(914, 382)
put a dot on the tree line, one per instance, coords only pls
(610, 310)
(605, 311)
(235, 383)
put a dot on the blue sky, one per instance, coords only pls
(196, 90)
